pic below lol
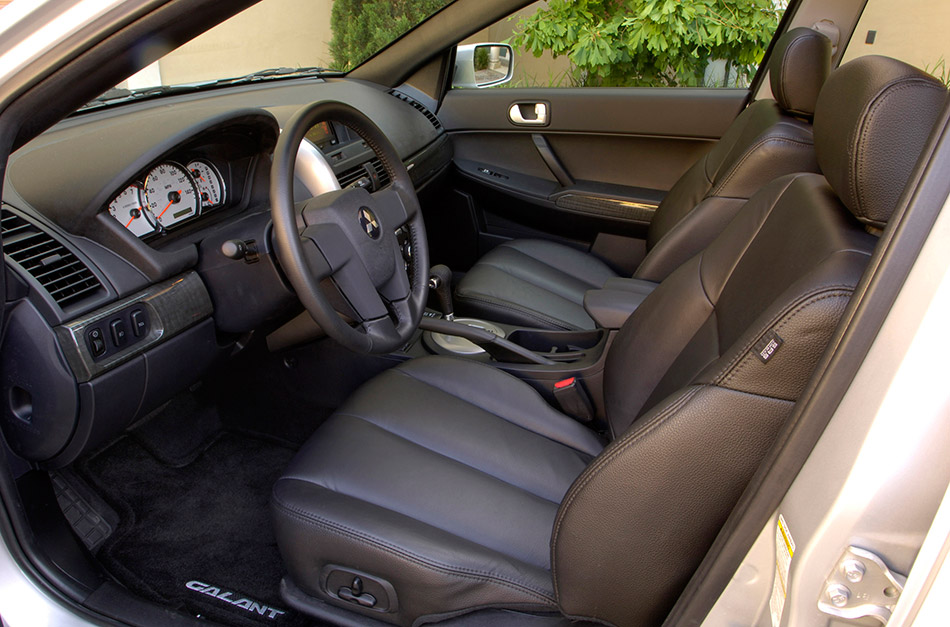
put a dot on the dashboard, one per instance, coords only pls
(138, 250)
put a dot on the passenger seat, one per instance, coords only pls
(542, 284)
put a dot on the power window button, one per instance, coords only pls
(120, 332)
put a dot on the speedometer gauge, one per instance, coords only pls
(129, 209)
(210, 186)
(170, 194)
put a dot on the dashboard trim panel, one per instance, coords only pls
(173, 306)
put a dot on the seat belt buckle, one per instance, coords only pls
(573, 399)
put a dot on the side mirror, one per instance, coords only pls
(482, 65)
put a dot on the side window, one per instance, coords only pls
(635, 43)
(915, 34)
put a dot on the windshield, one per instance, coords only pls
(280, 38)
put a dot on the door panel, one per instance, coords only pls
(602, 162)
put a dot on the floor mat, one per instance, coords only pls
(196, 536)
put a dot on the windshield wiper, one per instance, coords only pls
(278, 72)
(118, 95)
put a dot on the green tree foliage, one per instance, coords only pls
(363, 27)
(650, 42)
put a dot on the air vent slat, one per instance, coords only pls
(419, 107)
(381, 172)
(61, 273)
(65, 267)
(350, 176)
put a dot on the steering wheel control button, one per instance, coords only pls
(96, 341)
(139, 322)
(369, 222)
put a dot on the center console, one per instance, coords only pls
(566, 367)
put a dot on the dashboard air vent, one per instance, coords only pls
(351, 176)
(55, 267)
(418, 105)
(348, 177)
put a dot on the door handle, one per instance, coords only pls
(537, 113)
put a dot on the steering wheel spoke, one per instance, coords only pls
(391, 206)
(332, 244)
(357, 288)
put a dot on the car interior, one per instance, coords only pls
(356, 349)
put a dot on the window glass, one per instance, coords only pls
(332, 34)
(914, 31)
(637, 43)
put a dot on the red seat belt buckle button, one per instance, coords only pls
(573, 399)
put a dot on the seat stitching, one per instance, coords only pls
(745, 357)
(367, 539)
(828, 291)
(591, 471)
(444, 456)
(733, 171)
(871, 112)
(749, 240)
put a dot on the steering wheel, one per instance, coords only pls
(348, 236)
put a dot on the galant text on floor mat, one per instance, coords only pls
(234, 599)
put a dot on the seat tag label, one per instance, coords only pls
(767, 347)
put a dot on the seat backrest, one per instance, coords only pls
(769, 139)
(703, 375)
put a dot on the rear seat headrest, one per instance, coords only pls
(872, 119)
(798, 67)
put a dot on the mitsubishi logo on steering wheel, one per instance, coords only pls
(369, 222)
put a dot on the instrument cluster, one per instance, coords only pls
(168, 195)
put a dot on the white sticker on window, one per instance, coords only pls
(784, 550)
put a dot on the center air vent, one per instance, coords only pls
(372, 170)
(55, 267)
(418, 105)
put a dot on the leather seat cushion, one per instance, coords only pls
(440, 469)
(533, 283)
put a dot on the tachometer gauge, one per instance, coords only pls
(210, 186)
(129, 209)
(170, 194)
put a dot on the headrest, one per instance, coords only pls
(873, 117)
(798, 67)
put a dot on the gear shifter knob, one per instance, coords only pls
(440, 280)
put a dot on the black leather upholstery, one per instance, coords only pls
(549, 279)
(868, 166)
(765, 142)
(497, 458)
(798, 67)
(442, 477)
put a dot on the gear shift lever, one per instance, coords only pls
(440, 280)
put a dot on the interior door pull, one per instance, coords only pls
(529, 113)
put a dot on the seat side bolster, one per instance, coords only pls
(621, 551)
(688, 237)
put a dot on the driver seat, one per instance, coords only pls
(446, 486)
